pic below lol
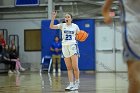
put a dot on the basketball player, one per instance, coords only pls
(131, 15)
(69, 48)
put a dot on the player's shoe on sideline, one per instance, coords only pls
(69, 87)
(76, 86)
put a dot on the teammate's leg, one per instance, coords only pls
(133, 76)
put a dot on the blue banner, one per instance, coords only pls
(26, 2)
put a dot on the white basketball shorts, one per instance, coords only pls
(70, 50)
(132, 41)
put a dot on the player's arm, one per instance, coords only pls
(77, 29)
(106, 10)
(52, 26)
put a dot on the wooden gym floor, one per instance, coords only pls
(36, 82)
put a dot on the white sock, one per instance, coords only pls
(77, 80)
(71, 83)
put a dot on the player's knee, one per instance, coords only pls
(69, 68)
(75, 68)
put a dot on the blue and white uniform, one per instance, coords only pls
(131, 10)
(69, 43)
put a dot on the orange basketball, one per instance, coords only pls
(81, 36)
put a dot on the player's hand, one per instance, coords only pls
(107, 19)
(54, 13)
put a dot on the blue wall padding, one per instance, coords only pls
(47, 37)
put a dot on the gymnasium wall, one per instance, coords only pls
(17, 27)
(109, 48)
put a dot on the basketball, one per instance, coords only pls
(81, 35)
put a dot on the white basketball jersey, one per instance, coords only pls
(132, 10)
(132, 18)
(68, 33)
